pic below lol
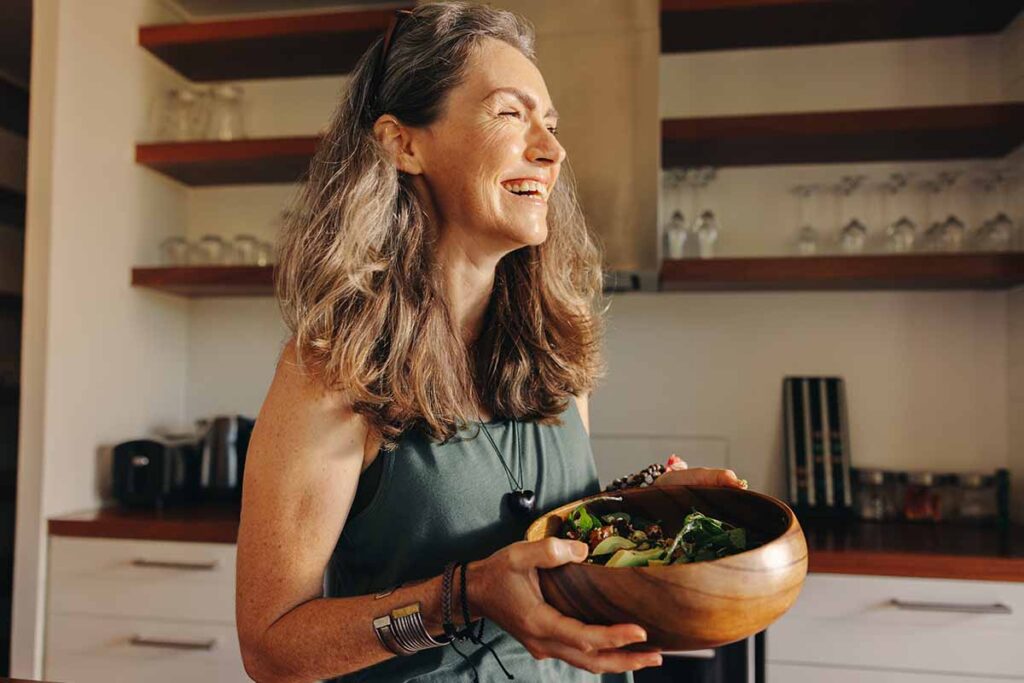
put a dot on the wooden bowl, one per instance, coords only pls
(685, 606)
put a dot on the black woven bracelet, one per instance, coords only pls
(644, 477)
(467, 630)
(446, 600)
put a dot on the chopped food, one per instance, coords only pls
(619, 539)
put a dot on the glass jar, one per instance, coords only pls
(977, 497)
(872, 495)
(921, 497)
(226, 120)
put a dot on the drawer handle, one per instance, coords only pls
(960, 607)
(140, 641)
(206, 566)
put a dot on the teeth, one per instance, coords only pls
(526, 186)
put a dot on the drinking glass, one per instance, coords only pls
(899, 229)
(210, 251)
(227, 120)
(265, 254)
(174, 251)
(675, 236)
(707, 233)
(245, 247)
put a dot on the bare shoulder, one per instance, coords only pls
(583, 405)
(302, 468)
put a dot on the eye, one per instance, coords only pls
(554, 131)
(506, 113)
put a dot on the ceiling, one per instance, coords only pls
(207, 9)
(16, 41)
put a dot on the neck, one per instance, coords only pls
(467, 273)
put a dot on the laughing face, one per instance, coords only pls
(488, 165)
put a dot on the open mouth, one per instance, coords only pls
(526, 190)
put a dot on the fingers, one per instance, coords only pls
(553, 552)
(702, 476)
(600, 661)
(553, 625)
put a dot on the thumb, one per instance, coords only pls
(559, 551)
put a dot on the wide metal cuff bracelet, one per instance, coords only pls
(403, 632)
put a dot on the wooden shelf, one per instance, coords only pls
(918, 133)
(266, 160)
(201, 523)
(697, 25)
(12, 208)
(267, 47)
(204, 281)
(874, 272)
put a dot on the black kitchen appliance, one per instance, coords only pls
(155, 472)
(740, 662)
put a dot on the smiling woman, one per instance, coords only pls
(439, 279)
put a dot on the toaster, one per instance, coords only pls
(156, 472)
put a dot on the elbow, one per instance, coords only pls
(258, 663)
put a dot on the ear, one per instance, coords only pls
(397, 141)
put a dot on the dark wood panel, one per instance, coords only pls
(237, 162)
(13, 108)
(916, 550)
(697, 25)
(12, 208)
(269, 47)
(917, 133)
(897, 271)
(10, 302)
(203, 281)
(202, 523)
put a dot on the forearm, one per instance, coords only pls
(328, 637)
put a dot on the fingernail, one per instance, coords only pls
(655, 660)
(643, 634)
(743, 483)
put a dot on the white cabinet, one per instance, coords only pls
(853, 628)
(141, 610)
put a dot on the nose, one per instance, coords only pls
(543, 146)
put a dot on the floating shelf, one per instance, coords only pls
(12, 208)
(910, 271)
(269, 47)
(267, 160)
(698, 25)
(918, 133)
(207, 281)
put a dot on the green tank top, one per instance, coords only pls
(435, 503)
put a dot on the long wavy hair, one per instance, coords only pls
(357, 281)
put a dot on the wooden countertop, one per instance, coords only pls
(941, 551)
(949, 551)
(202, 524)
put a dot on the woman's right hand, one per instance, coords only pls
(505, 589)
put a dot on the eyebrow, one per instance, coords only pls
(526, 98)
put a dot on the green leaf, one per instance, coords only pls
(582, 521)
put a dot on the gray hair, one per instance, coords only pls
(356, 280)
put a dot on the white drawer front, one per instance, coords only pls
(801, 673)
(87, 649)
(850, 621)
(162, 579)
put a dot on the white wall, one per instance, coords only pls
(101, 361)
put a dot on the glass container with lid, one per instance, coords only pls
(922, 500)
(872, 496)
(977, 501)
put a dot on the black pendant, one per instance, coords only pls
(521, 503)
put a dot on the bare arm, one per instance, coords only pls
(302, 468)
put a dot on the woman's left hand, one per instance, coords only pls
(678, 473)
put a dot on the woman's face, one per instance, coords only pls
(496, 132)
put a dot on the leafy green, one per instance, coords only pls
(699, 539)
(582, 521)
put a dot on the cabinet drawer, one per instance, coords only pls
(88, 649)
(953, 627)
(801, 673)
(162, 579)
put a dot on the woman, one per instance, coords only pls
(438, 279)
